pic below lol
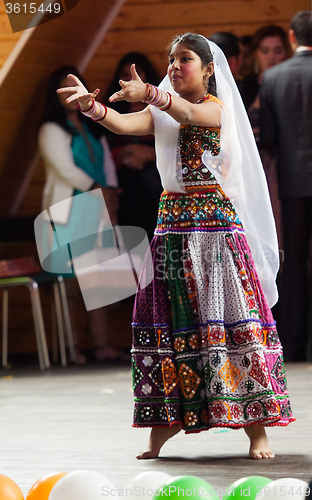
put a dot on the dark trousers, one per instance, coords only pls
(294, 323)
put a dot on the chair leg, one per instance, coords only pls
(5, 312)
(39, 326)
(69, 332)
(54, 334)
(59, 319)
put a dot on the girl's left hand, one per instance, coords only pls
(83, 96)
(132, 91)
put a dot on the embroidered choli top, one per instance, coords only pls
(204, 204)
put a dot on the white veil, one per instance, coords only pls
(237, 168)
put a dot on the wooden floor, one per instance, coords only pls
(74, 418)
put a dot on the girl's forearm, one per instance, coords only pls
(139, 123)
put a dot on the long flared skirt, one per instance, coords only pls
(205, 352)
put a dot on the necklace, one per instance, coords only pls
(199, 100)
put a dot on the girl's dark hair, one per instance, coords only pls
(271, 30)
(199, 45)
(141, 62)
(54, 111)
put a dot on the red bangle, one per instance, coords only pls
(85, 110)
(101, 118)
(169, 103)
(148, 91)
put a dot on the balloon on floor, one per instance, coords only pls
(41, 489)
(246, 488)
(186, 486)
(9, 490)
(287, 488)
(83, 485)
(144, 485)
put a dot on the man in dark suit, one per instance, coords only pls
(286, 125)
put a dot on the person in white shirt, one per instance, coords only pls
(77, 159)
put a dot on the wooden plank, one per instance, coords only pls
(166, 3)
(7, 38)
(5, 27)
(82, 11)
(157, 40)
(8, 116)
(6, 47)
(14, 98)
(18, 93)
(231, 12)
(39, 50)
(2, 7)
(63, 32)
(32, 74)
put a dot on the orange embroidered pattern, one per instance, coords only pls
(188, 380)
(231, 375)
(169, 375)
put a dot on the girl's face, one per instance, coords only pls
(186, 74)
(270, 52)
(69, 107)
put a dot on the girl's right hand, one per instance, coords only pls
(80, 93)
(131, 91)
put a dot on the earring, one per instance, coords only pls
(206, 81)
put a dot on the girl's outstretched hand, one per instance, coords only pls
(80, 93)
(132, 91)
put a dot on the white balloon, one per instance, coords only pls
(144, 485)
(287, 488)
(84, 485)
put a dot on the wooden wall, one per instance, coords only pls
(147, 26)
(7, 38)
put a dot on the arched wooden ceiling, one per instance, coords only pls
(94, 35)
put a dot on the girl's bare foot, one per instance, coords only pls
(158, 437)
(259, 444)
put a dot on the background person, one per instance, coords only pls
(270, 47)
(77, 159)
(230, 46)
(286, 124)
(248, 64)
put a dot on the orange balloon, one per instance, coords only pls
(9, 490)
(42, 488)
